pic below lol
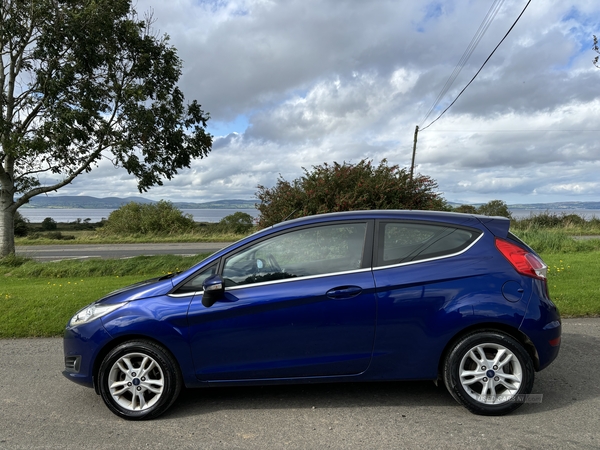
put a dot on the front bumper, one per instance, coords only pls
(81, 347)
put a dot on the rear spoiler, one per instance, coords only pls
(499, 226)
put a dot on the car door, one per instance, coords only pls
(297, 304)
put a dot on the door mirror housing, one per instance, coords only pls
(214, 290)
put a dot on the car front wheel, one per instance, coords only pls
(489, 372)
(139, 380)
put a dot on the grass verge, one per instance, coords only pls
(573, 283)
(93, 237)
(42, 306)
(38, 299)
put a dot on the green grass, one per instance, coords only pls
(42, 306)
(556, 241)
(74, 233)
(145, 266)
(570, 224)
(573, 282)
(37, 299)
(93, 237)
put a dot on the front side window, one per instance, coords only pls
(401, 242)
(194, 284)
(305, 252)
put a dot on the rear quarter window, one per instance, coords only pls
(401, 242)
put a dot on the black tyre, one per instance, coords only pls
(139, 380)
(489, 372)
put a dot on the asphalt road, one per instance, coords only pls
(41, 409)
(60, 252)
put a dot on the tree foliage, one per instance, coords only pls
(49, 224)
(597, 50)
(491, 208)
(237, 223)
(494, 208)
(84, 80)
(347, 187)
(160, 218)
(466, 209)
(21, 225)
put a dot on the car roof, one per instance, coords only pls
(397, 214)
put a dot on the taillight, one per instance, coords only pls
(524, 262)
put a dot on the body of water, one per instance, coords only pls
(37, 215)
(585, 213)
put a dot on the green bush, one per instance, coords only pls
(347, 187)
(161, 218)
(491, 208)
(568, 222)
(49, 224)
(238, 223)
(21, 225)
(466, 209)
(58, 236)
(494, 208)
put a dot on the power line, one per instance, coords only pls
(491, 14)
(514, 131)
(481, 68)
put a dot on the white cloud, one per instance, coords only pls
(303, 82)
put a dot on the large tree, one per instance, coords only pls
(84, 80)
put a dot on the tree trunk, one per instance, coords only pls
(7, 224)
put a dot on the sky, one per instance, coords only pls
(291, 84)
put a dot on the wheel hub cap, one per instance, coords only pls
(490, 386)
(136, 381)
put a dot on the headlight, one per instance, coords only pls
(92, 312)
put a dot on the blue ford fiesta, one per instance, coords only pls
(356, 296)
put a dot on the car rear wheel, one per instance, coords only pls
(139, 380)
(489, 372)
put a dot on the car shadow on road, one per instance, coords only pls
(308, 396)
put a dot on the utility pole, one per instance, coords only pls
(412, 165)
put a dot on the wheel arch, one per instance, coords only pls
(498, 327)
(120, 340)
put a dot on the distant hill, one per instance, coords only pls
(542, 206)
(558, 205)
(218, 204)
(87, 202)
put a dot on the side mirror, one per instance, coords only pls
(214, 290)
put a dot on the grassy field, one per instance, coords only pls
(574, 283)
(37, 299)
(42, 306)
(80, 233)
(75, 237)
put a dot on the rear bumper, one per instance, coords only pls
(542, 325)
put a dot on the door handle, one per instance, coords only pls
(344, 292)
